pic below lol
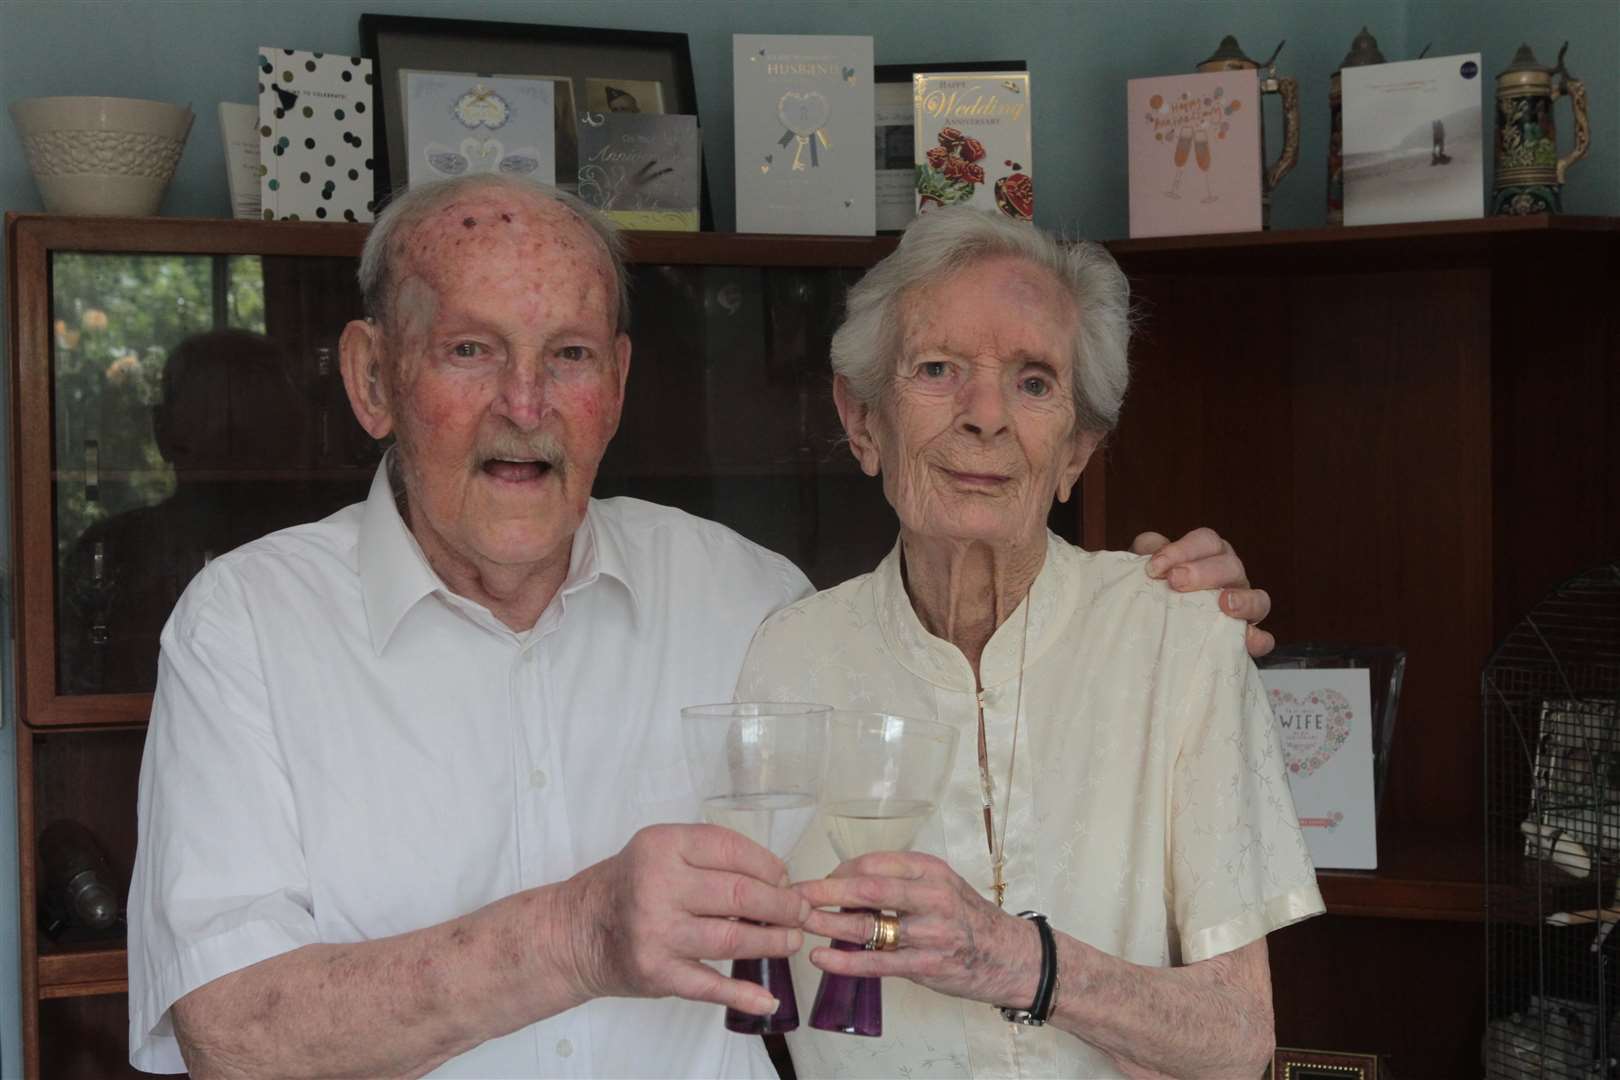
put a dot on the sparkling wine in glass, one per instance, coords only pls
(758, 767)
(885, 775)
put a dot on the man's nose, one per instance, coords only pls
(521, 396)
(982, 404)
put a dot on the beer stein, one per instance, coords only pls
(1529, 172)
(1229, 57)
(1363, 51)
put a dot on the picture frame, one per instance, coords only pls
(893, 147)
(571, 55)
(1290, 1063)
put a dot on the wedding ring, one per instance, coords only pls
(885, 933)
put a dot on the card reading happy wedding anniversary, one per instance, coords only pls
(804, 111)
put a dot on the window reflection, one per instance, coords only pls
(185, 410)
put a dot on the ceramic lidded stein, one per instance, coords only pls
(1529, 172)
(1229, 57)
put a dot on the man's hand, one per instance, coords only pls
(1202, 560)
(675, 896)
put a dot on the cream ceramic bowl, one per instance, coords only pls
(101, 155)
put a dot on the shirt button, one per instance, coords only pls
(537, 780)
(564, 1048)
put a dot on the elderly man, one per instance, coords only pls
(401, 804)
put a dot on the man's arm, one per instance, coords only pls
(636, 924)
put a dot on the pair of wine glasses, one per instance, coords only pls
(765, 769)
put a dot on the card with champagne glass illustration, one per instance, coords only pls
(1194, 153)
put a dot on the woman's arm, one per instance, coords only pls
(1209, 1018)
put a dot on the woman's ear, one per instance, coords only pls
(1085, 444)
(857, 418)
(362, 355)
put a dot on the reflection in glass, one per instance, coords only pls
(183, 416)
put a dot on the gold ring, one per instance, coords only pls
(885, 933)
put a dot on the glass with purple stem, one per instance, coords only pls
(885, 775)
(758, 767)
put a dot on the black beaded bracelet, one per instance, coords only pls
(1046, 990)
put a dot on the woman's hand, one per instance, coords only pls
(952, 940)
(1202, 560)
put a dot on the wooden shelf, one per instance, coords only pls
(83, 971)
(1436, 875)
(1406, 235)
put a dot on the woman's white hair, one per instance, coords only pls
(865, 350)
(409, 209)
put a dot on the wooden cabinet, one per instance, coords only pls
(1409, 433)
(1403, 429)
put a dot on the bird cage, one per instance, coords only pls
(1551, 700)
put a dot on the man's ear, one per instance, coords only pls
(1084, 444)
(362, 354)
(621, 357)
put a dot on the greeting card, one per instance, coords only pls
(641, 170)
(314, 136)
(804, 111)
(1413, 141)
(1194, 153)
(1324, 719)
(458, 123)
(971, 141)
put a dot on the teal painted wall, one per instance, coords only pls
(1496, 28)
(1080, 52)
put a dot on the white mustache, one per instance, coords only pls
(541, 446)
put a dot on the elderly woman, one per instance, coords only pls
(1118, 769)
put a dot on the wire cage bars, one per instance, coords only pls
(1551, 702)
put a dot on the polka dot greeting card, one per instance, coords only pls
(315, 128)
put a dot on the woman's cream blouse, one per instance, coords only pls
(1150, 814)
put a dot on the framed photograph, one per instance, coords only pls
(652, 70)
(896, 167)
(623, 96)
(1292, 1064)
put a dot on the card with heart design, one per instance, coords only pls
(972, 142)
(1324, 726)
(804, 109)
(315, 131)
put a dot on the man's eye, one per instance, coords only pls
(574, 352)
(1036, 386)
(467, 349)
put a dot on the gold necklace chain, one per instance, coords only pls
(998, 845)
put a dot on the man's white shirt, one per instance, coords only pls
(341, 749)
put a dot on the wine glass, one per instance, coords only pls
(758, 768)
(885, 775)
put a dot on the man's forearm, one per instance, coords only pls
(396, 1006)
(1212, 1018)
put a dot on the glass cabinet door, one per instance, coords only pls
(196, 405)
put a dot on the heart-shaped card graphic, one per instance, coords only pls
(1314, 725)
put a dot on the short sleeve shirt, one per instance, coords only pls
(342, 749)
(1150, 814)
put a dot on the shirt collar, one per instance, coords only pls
(395, 574)
(941, 663)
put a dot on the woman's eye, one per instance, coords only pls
(1036, 386)
(933, 369)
